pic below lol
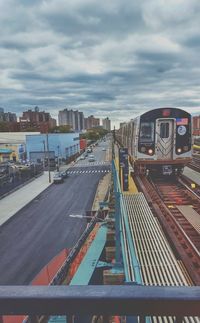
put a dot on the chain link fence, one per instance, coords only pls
(13, 176)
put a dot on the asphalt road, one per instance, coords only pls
(38, 232)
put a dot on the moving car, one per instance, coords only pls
(64, 174)
(91, 158)
(57, 178)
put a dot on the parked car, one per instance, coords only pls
(82, 157)
(57, 178)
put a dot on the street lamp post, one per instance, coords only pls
(80, 216)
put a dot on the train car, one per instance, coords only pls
(159, 140)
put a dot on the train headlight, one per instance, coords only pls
(179, 150)
(150, 151)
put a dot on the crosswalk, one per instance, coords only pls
(91, 171)
(88, 164)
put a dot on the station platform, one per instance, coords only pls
(192, 174)
(132, 186)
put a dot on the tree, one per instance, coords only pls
(30, 129)
(61, 129)
(4, 126)
(94, 134)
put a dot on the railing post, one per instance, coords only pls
(179, 319)
(33, 319)
(142, 319)
(70, 318)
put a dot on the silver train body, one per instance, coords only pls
(159, 140)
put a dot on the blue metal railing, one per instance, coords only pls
(105, 300)
(124, 240)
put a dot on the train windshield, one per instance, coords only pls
(147, 131)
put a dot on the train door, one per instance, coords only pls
(165, 138)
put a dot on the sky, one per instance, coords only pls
(115, 58)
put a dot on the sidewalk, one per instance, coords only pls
(101, 191)
(12, 203)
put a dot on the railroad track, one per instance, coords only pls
(178, 211)
(189, 183)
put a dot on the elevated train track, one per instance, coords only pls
(164, 254)
(164, 228)
(179, 214)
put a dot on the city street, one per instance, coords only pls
(39, 231)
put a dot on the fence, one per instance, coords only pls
(10, 180)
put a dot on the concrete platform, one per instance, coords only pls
(192, 174)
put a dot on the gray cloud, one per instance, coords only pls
(114, 59)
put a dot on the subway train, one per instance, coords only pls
(158, 141)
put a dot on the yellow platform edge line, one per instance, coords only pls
(132, 186)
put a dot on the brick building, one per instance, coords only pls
(92, 122)
(39, 120)
(196, 126)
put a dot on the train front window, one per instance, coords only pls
(147, 132)
(164, 130)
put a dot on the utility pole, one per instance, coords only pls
(44, 154)
(48, 157)
(58, 164)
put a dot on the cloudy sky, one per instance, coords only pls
(114, 58)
